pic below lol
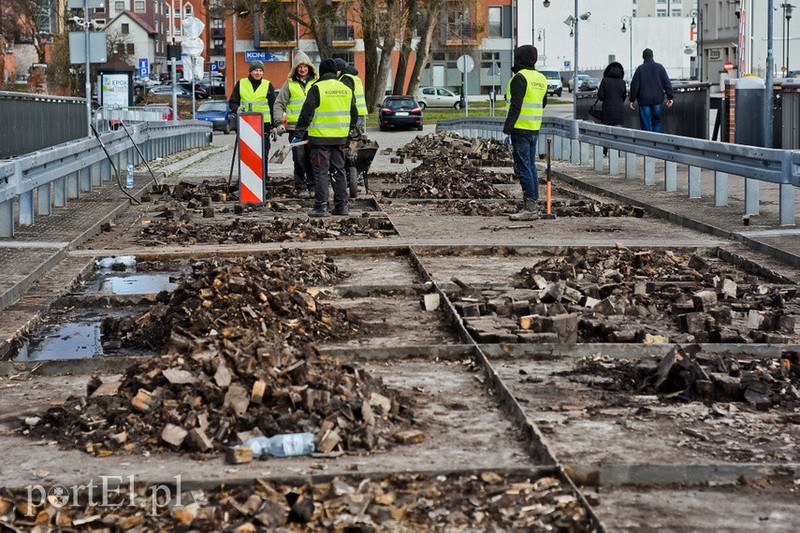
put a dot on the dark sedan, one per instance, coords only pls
(400, 111)
(589, 84)
(166, 90)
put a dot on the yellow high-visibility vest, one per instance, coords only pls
(255, 100)
(358, 91)
(332, 117)
(297, 96)
(530, 116)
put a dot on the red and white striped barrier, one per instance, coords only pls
(252, 189)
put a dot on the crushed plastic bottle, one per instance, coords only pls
(286, 445)
(129, 179)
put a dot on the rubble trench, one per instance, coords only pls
(465, 422)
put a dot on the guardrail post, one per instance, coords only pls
(94, 172)
(613, 162)
(649, 171)
(575, 151)
(7, 219)
(786, 208)
(44, 199)
(105, 169)
(585, 153)
(85, 179)
(72, 186)
(26, 208)
(598, 157)
(751, 196)
(670, 176)
(720, 189)
(60, 192)
(630, 165)
(694, 182)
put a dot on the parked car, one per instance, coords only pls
(554, 85)
(589, 84)
(166, 90)
(217, 112)
(165, 109)
(200, 92)
(438, 97)
(571, 86)
(402, 111)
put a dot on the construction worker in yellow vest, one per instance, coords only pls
(287, 110)
(255, 94)
(327, 116)
(526, 94)
(348, 74)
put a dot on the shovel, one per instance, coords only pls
(281, 153)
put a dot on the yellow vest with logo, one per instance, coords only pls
(297, 96)
(530, 116)
(358, 91)
(255, 100)
(332, 117)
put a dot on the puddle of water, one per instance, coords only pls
(73, 340)
(133, 283)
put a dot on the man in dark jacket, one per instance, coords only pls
(649, 85)
(526, 93)
(327, 116)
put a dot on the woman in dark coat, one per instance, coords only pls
(612, 92)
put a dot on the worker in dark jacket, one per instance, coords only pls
(612, 92)
(255, 94)
(327, 116)
(526, 93)
(348, 74)
(649, 85)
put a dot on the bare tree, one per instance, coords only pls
(430, 10)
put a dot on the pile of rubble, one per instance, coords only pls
(239, 363)
(446, 177)
(560, 208)
(487, 501)
(185, 231)
(478, 152)
(621, 295)
(688, 374)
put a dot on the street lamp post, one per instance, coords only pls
(787, 13)
(698, 24)
(629, 21)
(542, 38)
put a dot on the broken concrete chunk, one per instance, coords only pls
(173, 435)
(381, 402)
(431, 301)
(177, 376)
(410, 437)
(237, 456)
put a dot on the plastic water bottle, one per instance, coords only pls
(129, 180)
(281, 445)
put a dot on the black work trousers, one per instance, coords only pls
(303, 176)
(327, 162)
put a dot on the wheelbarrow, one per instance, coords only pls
(360, 154)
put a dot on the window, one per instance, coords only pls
(126, 29)
(218, 47)
(187, 10)
(100, 9)
(495, 21)
(119, 7)
(661, 12)
(129, 49)
(138, 6)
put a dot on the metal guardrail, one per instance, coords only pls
(580, 141)
(42, 180)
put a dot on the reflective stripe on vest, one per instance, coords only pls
(358, 91)
(530, 116)
(297, 96)
(255, 100)
(332, 117)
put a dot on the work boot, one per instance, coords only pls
(529, 211)
(344, 210)
(319, 211)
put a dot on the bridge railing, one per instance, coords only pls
(582, 142)
(40, 181)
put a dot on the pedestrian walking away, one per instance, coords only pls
(287, 108)
(649, 85)
(612, 92)
(527, 97)
(255, 94)
(327, 116)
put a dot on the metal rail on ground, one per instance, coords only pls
(582, 143)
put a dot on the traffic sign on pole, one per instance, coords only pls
(728, 66)
(252, 189)
(144, 67)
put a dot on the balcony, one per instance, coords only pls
(217, 33)
(343, 36)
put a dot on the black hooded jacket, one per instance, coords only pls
(327, 71)
(524, 59)
(612, 92)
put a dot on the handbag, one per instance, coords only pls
(596, 111)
